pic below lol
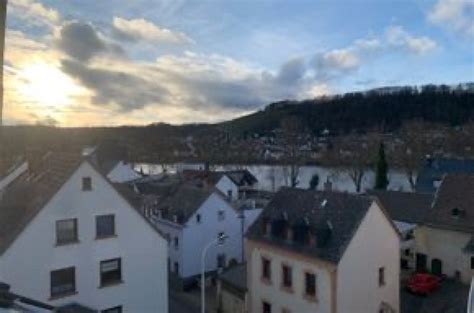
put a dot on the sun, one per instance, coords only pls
(46, 85)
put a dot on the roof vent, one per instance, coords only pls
(323, 204)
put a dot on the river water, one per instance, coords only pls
(272, 177)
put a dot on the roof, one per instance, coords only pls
(333, 217)
(238, 177)
(183, 201)
(40, 184)
(74, 308)
(453, 206)
(236, 277)
(434, 170)
(13, 302)
(409, 207)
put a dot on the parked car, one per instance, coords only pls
(423, 283)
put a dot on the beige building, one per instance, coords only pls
(445, 243)
(323, 252)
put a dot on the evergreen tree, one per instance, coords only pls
(314, 182)
(381, 169)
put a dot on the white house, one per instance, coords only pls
(313, 251)
(67, 236)
(234, 184)
(446, 240)
(192, 216)
(121, 172)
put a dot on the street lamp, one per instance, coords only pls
(218, 241)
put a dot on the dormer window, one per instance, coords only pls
(86, 184)
(457, 212)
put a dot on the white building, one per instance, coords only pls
(68, 236)
(446, 240)
(192, 216)
(323, 252)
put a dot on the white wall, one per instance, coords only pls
(173, 231)
(260, 291)
(26, 265)
(225, 184)
(375, 245)
(122, 172)
(447, 246)
(197, 235)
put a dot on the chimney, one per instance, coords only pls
(327, 185)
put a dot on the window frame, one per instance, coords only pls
(86, 183)
(381, 276)
(76, 232)
(54, 295)
(114, 234)
(116, 281)
(266, 263)
(314, 293)
(286, 273)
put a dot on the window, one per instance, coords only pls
(66, 231)
(110, 272)
(310, 284)
(221, 260)
(266, 269)
(117, 309)
(198, 218)
(176, 242)
(63, 282)
(229, 194)
(86, 183)
(176, 267)
(221, 215)
(105, 226)
(472, 262)
(286, 276)
(382, 276)
(266, 307)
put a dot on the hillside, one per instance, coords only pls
(383, 109)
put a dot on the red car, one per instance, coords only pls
(423, 284)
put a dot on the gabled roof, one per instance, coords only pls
(338, 213)
(238, 177)
(453, 206)
(28, 194)
(25, 197)
(434, 170)
(408, 207)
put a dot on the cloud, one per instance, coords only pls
(81, 41)
(127, 91)
(34, 12)
(398, 37)
(454, 14)
(144, 30)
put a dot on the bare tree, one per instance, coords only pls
(413, 149)
(292, 131)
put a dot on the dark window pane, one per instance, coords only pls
(110, 272)
(287, 279)
(66, 231)
(266, 269)
(310, 284)
(63, 281)
(266, 307)
(105, 226)
(86, 183)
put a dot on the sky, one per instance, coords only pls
(123, 62)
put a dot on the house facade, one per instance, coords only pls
(68, 236)
(445, 243)
(191, 217)
(313, 251)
